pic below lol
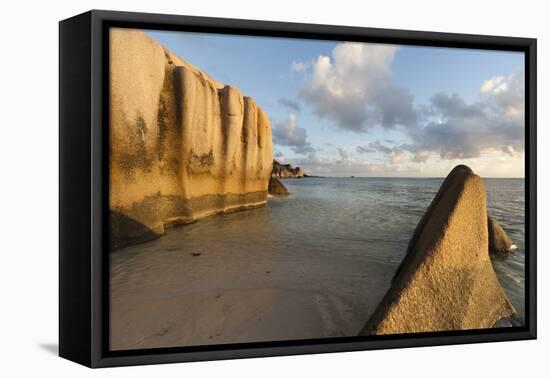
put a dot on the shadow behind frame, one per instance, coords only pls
(84, 187)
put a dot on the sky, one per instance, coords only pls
(374, 110)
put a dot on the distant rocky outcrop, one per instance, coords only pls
(286, 171)
(277, 188)
(499, 242)
(446, 281)
(182, 145)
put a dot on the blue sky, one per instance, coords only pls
(340, 109)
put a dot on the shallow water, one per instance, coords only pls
(506, 204)
(376, 217)
(336, 240)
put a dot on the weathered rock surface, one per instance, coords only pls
(286, 171)
(182, 145)
(277, 188)
(446, 281)
(499, 242)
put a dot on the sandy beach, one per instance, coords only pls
(169, 293)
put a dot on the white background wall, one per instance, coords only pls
(29, 186)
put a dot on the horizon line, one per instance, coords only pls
(406, 177)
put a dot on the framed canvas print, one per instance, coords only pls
(234, 188)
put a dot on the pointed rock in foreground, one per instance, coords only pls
(446, 281)
(277, 188)
(499, 242)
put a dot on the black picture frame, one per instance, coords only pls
(83, 182)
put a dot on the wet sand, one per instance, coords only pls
(174, 292)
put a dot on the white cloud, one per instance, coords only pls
(298, 66)
(421, 156)
(343, 152)
(509, 150)
(355, 88)
(491, 85)
(288, 133)
(508, 96)
(397, 156)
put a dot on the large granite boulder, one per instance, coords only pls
(499, 242)
(446, 281)
(182, 145)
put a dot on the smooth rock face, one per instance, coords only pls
(499, 242)
(182, 145)
(276, 188)
(446, 281)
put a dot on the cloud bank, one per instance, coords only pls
(354, 88)
(454, 129)
(346, 165)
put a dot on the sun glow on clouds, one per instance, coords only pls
(355, 90)
(494, 85)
